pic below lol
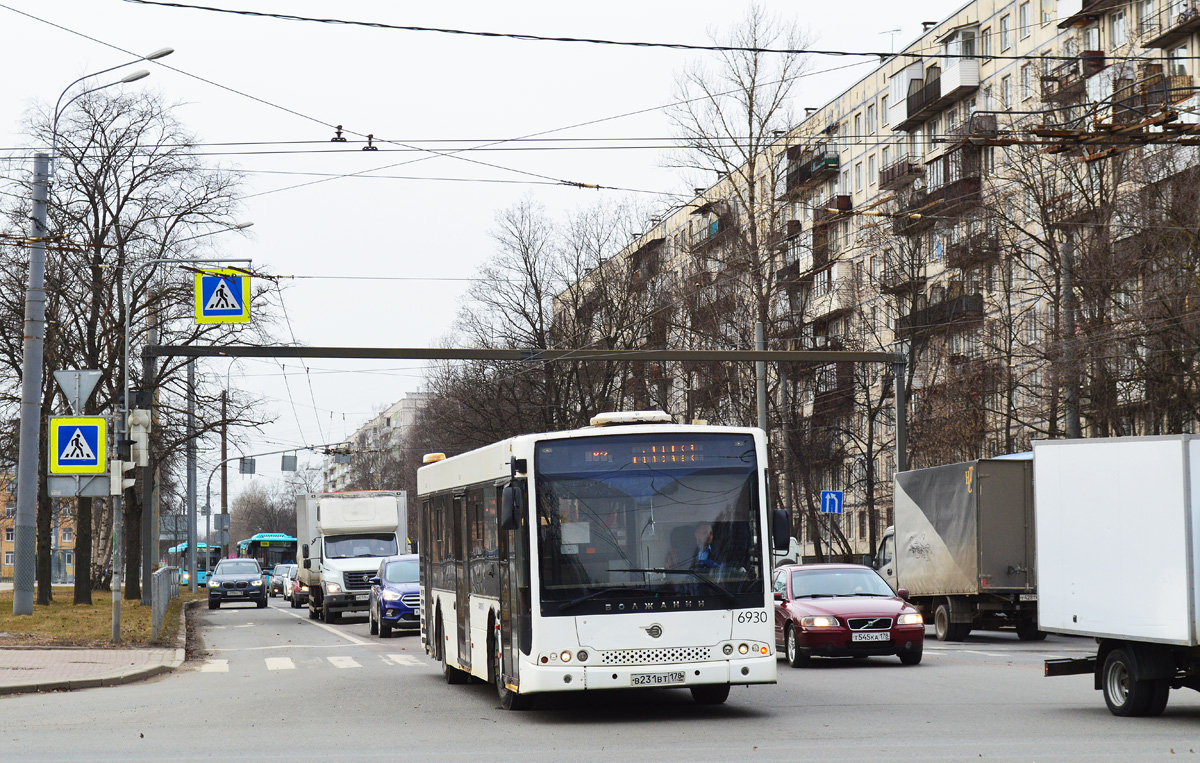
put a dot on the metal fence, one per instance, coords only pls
(164, 586)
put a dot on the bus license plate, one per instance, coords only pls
(362, 597)
(656, 679)
(881, 636)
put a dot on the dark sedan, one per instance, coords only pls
(395, 596)
(237, 580)
(843, 610)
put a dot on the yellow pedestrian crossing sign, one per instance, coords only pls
(78, 445)
(222, 296)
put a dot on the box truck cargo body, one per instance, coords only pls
(342, 539)
(962, 546)
(1117, 532)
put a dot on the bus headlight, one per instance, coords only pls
(565, 656)
(743, 648)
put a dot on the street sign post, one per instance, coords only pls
(222, 296)
(78, 445)
(77, 386)
(831, 501)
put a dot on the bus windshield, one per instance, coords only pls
(355, 546)
(647, 522)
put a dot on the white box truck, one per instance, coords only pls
(1117, 532)
(342, 538)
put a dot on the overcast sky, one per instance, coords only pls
(372, 233)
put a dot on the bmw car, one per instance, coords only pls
(237, 580)
(843, 610)
(395, 596)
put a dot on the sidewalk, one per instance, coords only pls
(37, 669)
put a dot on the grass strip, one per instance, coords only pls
(65, 624)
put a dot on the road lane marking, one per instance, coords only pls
(985, 654)
(404, 660)
(280, 663)
(343, 662)
(215, 666)
(323, 626)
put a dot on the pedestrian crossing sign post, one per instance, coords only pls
(78, 445)
(222, 296)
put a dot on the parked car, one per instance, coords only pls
(395, 596)
(237, 580)
(278, 580)
(297, 592)
(843, 610)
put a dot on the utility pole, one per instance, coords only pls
(224, 458)
(191, 472)
(24, 524)
(760, 372)
(149, 536)
(1070, 360)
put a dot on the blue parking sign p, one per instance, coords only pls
(78, 445)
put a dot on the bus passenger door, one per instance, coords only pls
(462, 572)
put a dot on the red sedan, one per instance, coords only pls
(843, 610)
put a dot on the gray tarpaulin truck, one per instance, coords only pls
(962, 546)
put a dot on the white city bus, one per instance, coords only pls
(628, 554)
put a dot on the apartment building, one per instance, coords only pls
(981, 202)
(62, 538)
(385, 431)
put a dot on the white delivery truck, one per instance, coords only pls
(342, 538)
(1118, 525)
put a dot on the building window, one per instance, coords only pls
(1024, 19)
(1146, 17)
(1091, 37)
(68, 535)
(1178, 66)
(872, 169)
(8, 558)
(1026, 82)
(1118, 28)
(883, 106)
(985, 43)
(8, 534)
(1005, 33)
(69, 557)
(871, 125)
(1006, 100)
(858, 133)
(884, 156)
(822, 281)
(858, 177)
(1049, 11)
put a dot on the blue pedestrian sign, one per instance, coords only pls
(222, 296)
(78, 445)
(831, 501)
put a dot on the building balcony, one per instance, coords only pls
(832, 293)
(977, 126)
(1176, 29)
(958, 196)
(902, 278)
(914, 214)
(973, 250)
(942, 315)
(940, 89)
(808, 170)
(715, 233)
(900, 173)
(1067, 82)
(824, 212)
(834, 396)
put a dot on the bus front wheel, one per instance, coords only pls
(509, 699)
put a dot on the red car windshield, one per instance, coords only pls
(818, 583)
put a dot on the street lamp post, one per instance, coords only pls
(24, 523)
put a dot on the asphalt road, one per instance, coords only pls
(275, 685)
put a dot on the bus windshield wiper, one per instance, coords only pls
(597, 594)
(702, 578)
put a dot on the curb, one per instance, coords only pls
(127, 677)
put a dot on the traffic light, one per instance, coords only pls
(117, 481)
(139, 432)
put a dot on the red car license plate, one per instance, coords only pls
(877, 636)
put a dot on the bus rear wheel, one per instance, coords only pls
(453, 675)
(711, 694)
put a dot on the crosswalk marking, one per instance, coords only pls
(215, 666)
(280, 663)
(343, 662)
(406, 660)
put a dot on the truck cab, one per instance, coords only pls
(884, 562)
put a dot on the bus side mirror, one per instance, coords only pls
(780, 527)
(510, 507)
